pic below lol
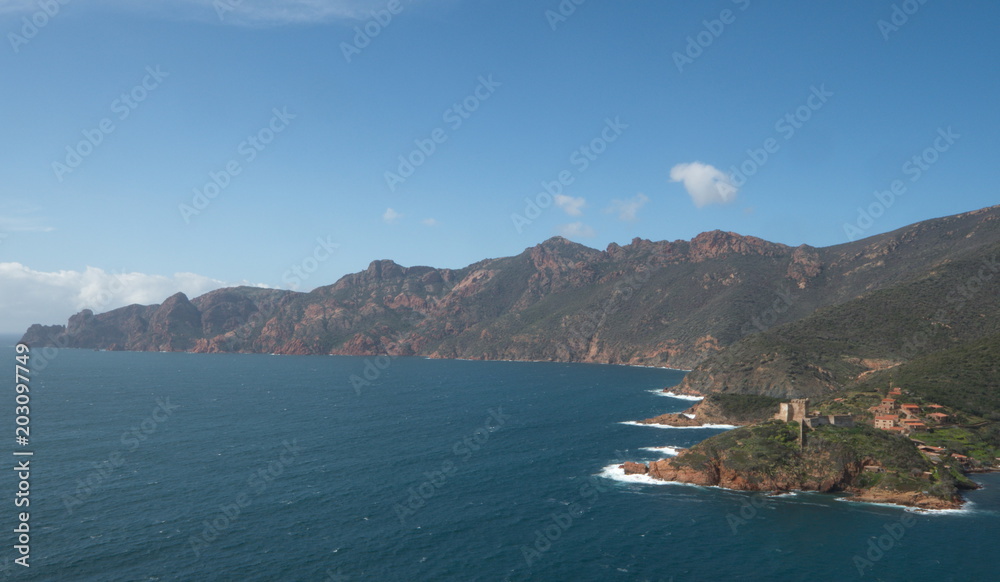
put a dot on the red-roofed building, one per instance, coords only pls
(938, 416)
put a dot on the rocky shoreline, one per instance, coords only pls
(716, 476)
(677, 419)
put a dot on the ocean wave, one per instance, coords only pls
(722, 426)
(966, 509)
(669, 451)
(677, 396)
(656, 367)
(616, 473)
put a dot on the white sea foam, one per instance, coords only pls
(691, 416)
(677, 396)
(669, 451)
(723, 426)
(616, 473)
(966, 509)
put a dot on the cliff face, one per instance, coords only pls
(674, 304)
(766, 457)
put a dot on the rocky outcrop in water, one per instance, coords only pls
(864, 462)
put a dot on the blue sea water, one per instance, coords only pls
(168, 466)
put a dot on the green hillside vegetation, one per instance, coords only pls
(829, 349)
(966, 377)
(741, 408)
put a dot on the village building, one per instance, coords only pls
(938, 417)
(888, 406)
(886, 421)
(913, 424)
(910, 409)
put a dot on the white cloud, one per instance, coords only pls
(20, 216)
(8, 224)
(390, 216)
(575, 230)
(233, 12)
(28, 296)
(429, 222)
(627, 209)
(704, 183)
(572, 206)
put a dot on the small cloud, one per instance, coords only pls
(704, 183)
(390, 216)
(627, 209)
(234, 12)
(429, 222)
(576, 230)
(20, 217)
(572, 206)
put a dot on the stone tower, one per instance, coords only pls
(799, 407)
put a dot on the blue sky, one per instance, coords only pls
(665, 97)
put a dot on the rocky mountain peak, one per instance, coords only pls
(717, 243)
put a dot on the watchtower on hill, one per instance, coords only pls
(794, 411)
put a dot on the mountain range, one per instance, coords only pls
(747, 315)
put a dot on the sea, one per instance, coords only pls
(177, 466)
